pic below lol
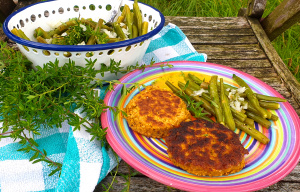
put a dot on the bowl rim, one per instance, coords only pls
(73, 48)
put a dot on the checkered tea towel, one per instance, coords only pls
(85, 162)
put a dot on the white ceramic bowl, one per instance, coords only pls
(44, 14)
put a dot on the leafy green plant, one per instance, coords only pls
(47, 96)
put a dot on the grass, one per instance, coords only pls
(287, 45)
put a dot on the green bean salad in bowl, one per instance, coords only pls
(84, 30)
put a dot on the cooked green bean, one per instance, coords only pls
(40, 39)
(92, 40)
(250, 95)
(138, 15)
(253, 110)
(144, 27)
(269, 98)
(129, 20)
(229, 122)
(174, 89)
(119, 31)
(269, 105)
(195, 79)
(258, 119)
(198, 81)
(249, 122)
(206, 105)
(213, 90)
(135, 32)
(252, 132)
(41, 32)
(63, 27)
(192, 84)
(238, 115)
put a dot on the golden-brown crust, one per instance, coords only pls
(153, 112)
(204, 148)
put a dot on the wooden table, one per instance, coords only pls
(236, 42)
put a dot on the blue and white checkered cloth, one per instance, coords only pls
(85, 162)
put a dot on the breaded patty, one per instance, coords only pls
(204, 148)
(154, 111)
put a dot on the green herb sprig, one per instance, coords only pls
(46, 97)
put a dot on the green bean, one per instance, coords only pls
(92, 40)
(112, 40)
(206, 105)
(129, 20)
(192, 84)
(174, 89)
(253, 110)
(135, 32)
(269, 98)
(215, 98)
(258, 96)
(178, 92)
(226, 108)
(252, 132)
(269, 105)
(20, 34)
(249, 122)
(119, 31)
(144, 27)
(250, 95)
(120, 19)
(274, 117)
(138, 15)
(238, 115)
(199, 82)
(41, 40)
(63, 27)
(258, 119)
(195, 79)
(41, 32)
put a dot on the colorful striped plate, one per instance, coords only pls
(265, 164)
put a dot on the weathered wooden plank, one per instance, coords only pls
(237, 51)
(216, 32)
(137, 184)
(205, 39)
(239, 63)
(256, 8)
(209, 22)
(291, 83)
(278, 20)
(229, 48)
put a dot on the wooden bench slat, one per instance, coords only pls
(209, 22)
(291, 83)
(204, 39)
(281, 18)
(216, 32)
(239, 63)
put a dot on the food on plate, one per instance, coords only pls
(237, 106)
(205, 148)
(85, 31)
(153, 112)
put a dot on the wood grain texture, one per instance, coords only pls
(285, 15)
(256, 8)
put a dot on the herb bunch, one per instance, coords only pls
(46, 97)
